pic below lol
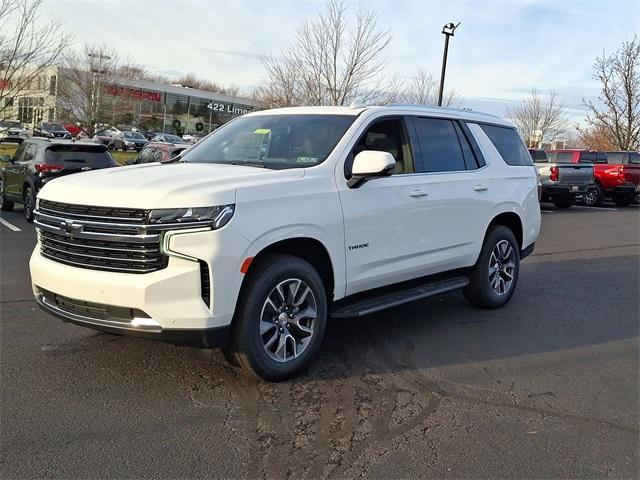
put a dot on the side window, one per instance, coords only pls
(564, 157)
(509, 145)
(601, 157)
(440, 149)
(587, 157)
(29, 153)
(146, 155)
(384, 136)
(553, 157)
(17, 157)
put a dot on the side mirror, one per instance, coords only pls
(6, 158)
(370, 163)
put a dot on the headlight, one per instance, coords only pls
(217, 216)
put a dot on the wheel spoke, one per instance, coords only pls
(265, 327)
(293, 291)
(271, 341)
(281, 350)
(303, 296)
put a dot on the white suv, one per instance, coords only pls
(282, 218)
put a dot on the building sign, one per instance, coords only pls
(134, 93)
(227, 107)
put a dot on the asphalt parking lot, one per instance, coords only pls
(547, 387)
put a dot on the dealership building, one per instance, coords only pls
(151, 105)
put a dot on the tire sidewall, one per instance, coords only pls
(495, 236)
(249, 343)
(29, 200)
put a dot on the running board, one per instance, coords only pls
(388, 300)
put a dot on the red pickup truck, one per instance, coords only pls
(619, 182)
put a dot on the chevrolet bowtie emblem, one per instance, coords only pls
(71, 228)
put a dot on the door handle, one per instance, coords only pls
(418, 192)
(480, 188)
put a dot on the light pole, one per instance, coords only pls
(95, 90)
(447, 30)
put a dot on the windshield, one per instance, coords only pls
(53, 127)
(133, 135)
(9, 124)
(172, 138)
(273, 141)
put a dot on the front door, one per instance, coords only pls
(386, 219)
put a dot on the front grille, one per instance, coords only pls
(97, 311)
(105, 214)
(102, 255)
(99, 238)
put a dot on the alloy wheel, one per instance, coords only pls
(590, 198)
(502, 267)
(28, 201)
(287, 320)
(1, 193)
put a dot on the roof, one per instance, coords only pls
(186, 91)
(63, 141)
(392, 108)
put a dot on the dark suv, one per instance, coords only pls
(39, 160)
(51, 130)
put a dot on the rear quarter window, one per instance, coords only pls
(564, 157)
(509, 145)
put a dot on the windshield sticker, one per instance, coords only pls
(307, 160)
(262, 131)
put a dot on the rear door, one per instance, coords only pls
(10, 177)
(454, 169)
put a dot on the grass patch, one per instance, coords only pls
(120, 157)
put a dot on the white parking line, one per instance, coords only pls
(10, 226)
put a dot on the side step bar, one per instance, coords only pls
(387, 300)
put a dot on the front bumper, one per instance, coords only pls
(138, 327)
(169, 299)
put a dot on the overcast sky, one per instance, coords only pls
(501, 50)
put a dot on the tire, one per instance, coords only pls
(623, 201)
(564, 202)
(599, 200)
(29, 202)
(481, 292)
(282, 321)
(590, 198)
(5, 205)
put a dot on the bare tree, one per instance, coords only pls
(539, 118)
(28, 47)
(334, 60)
(422, 89)
(191, 80)
(618, 116)
(84, 77)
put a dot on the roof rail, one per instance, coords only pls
(448, 109)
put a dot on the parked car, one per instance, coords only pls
(167, 137)
(610, 178)
(193, 138)
(73, 128)
(104, 136)
(129, 140)
(51, 130)
(157, 152)
(37, 161)
(133, 128)
(562, 183)
(630, 162)
(12, 131)
(283, 217)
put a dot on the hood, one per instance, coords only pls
(157, 185)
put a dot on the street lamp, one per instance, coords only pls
(447, 30)
(95, 86)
